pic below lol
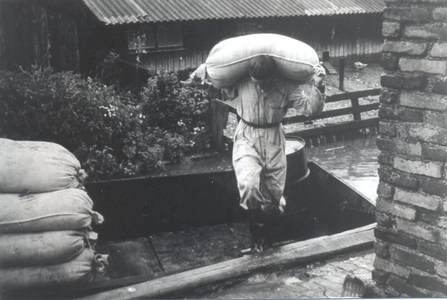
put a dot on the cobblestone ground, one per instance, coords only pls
(332, 274)
(318, 280)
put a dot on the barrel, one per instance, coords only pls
(297, 169)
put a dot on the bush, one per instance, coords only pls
(112, 133)
(181, 110)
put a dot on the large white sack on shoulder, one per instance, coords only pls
(228, 60)
(69, 209)
(37, 167)
(75, 273)
(41, 248)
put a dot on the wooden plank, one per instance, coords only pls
(329, 68)
(194, 59)
(199, 57)
(182, 63)
(331, 113)
(341, 76)
(218, 121)
(350, 95)
(336, 38)
(355, 104)
(164, 60)
(349, 37)
(357, 44)
(335, 128)
(286, 255)
(89, 288)
(204, 55)
(346, 47)
(152, 61)
(363, 40)
(187, 58)
(173, 59)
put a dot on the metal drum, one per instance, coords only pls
(297, 169)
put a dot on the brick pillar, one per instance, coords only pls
(411, 246)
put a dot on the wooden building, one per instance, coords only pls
(177, 35)
(39, 32)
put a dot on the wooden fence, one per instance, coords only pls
(220, 110)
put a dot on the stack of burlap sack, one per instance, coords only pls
(45, 218)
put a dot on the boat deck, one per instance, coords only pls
(183, 255)
(355, 162)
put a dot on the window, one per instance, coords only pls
(170, 35)
(155, 37)
(142, 37)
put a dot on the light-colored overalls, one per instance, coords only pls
(259, 157)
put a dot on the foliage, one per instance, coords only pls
(179, 109)
(109, 70)
(112, 133)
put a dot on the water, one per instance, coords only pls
(355, 162)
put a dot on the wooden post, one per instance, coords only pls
(218, 122)
(341, 76)
(355, 104)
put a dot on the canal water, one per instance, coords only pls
(354, 162)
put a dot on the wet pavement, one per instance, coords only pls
(322, 279)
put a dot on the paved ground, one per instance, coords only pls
(323, 279)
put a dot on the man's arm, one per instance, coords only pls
(313, 104)
(226, 94)
(199, 78)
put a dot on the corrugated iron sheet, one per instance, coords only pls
(143, 11)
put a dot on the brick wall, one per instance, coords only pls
(411, 247)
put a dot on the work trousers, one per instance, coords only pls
(259, 161)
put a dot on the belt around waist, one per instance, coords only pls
(270, 125)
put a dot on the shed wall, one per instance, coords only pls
(353, 37)
(34, 33)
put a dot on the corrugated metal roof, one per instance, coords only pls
(143, 11)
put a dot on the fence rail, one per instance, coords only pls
(220, 110)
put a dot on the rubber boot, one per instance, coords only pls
(268, 231)
(257, 232)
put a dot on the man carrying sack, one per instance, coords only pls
(265, 95)
(259, 157)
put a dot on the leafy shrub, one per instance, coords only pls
(109, 70)
(110, 132)
(181, 110)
